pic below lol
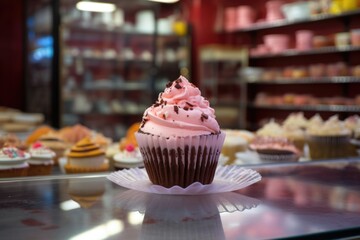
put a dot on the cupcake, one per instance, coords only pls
(13, 162)
(179, 137)
(275, 149)
(86, 156)
(53, 141)
(271, 129)
(128, 158)
(329, 140)
(235, 141)
(41, 160)
(314, 122)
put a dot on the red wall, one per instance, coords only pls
(11, 54)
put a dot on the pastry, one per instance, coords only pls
(37, 133)
(41, 160)
(275, 149)
(53, 141)
(86, 156)
(294, 127)
(329, 140)
(129, 157)
(13, 162)
(179, 137)
(271, 129)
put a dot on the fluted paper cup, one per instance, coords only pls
(180, 160)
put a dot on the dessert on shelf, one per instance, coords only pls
(86, 156)
(41, 160)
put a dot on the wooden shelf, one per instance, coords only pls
(285, 23)
(295, 53)
(320, 80)
(318, 108)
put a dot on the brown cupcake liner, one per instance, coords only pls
(330, 147)
(279, 157)
(14, 172)
(40, 169)
(180, 160)
(71, 169)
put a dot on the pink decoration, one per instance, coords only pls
(129, 148)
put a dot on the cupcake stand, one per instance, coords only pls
(303, 200)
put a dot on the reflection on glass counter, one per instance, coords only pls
(318, 200)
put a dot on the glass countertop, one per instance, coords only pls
(317, 199)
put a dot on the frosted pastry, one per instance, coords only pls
(53, 141)
(129, 157)
(179, 137)
(86, 156)
(271, 129)
(275, 149)
(295, 120)
(330, 140)
(41, 161)
(13, 162)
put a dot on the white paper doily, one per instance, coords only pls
(227, 179)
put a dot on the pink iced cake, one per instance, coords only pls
(180, 138)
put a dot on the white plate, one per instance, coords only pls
(227, 179)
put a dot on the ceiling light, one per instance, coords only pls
(95, 6)
(164, 1)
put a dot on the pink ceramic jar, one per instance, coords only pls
(304, 40)
(277, 43)
(273, 10)
(245, 16)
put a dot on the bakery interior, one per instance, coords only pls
(283, 77)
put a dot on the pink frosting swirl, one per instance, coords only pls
(180, 111)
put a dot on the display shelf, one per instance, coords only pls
(112, 114)
(127, 86)
(105, 29)
(335, 80)
(318, 108)
(113, 59)
(323, 50)
(285, 23)
(223, 81)
(225, 102)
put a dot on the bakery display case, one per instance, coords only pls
(305, 201)
(295, 63)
